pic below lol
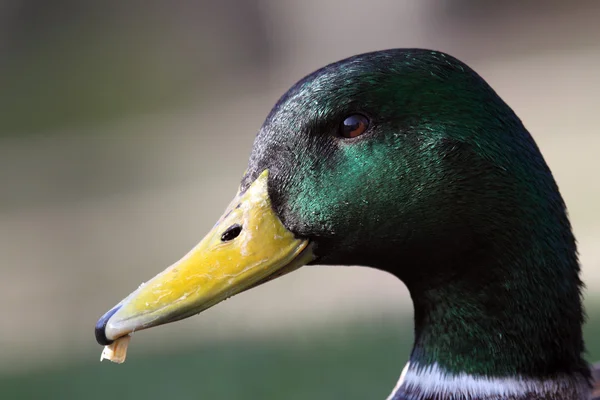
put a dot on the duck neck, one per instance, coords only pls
(499, 329)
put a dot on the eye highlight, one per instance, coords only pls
(354, 125)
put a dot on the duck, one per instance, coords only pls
(406, 161)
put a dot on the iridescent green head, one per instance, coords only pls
(443, 167)
(445, 189)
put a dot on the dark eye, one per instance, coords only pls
(354, 125)
(231, 233)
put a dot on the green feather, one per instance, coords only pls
(447, 191)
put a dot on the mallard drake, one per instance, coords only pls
(404, 160)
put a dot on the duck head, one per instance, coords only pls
(407, 161)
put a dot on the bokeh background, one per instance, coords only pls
(125, 128)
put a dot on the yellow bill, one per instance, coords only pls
(248, 246)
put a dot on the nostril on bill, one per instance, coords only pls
(231, 233)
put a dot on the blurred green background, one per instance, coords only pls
(125, 128)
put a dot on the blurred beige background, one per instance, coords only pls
(124, 131)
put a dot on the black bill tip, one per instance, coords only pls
(100, 329)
